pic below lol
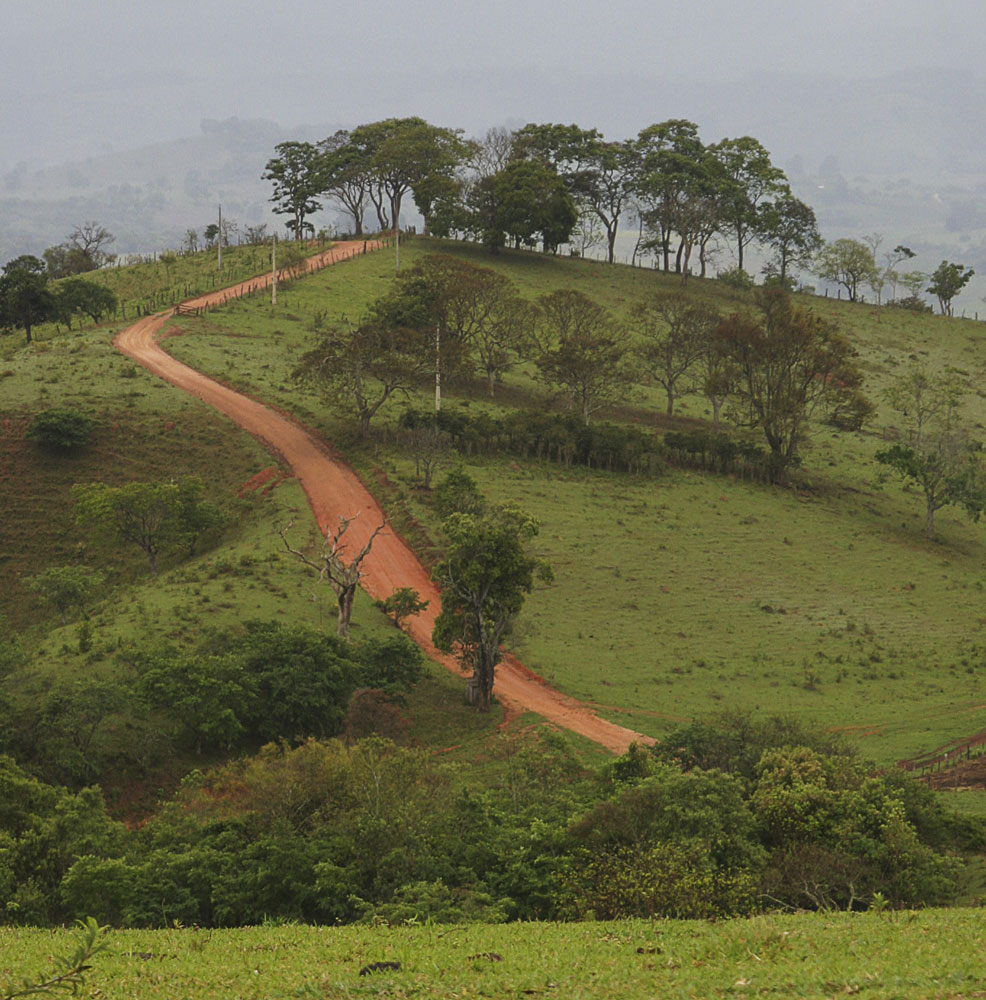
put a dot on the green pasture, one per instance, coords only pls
(903, 955)
(687, 593)
(675, 595)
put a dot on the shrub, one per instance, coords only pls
(63, 430)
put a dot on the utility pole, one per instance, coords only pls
(273, 277)
(220, 238)
(438, 367)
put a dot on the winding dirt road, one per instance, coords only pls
(334, 491)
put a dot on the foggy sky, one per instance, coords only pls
(81, 77)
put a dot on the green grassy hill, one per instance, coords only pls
(680, 594)
(676, 594)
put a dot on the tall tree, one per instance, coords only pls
(26, 299)
(674, 174)
(936, 453)
(146, 515)
(399, 154)
(788, 362)
(673, 331)
(788, 226)
(77, 295)
(345, 176)
(484, 577)
(947, 280)
(606, 183)
(579, 348)
(529, 201)
(752, 179)
(846, 262)
(358, 368)
(297, 175)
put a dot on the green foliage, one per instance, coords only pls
(402, 603)
(483, 579)
(788, 362)
(92, 299)
(667, 881)
(62, 429)
(736, 279)
(26, 299)
(947, 280)
(154, 517)
(43, 830)
(846, 262)
(458, 493)
(66, 587)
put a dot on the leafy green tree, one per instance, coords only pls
(938, 455)
(673, 333)
(483, 578)
(458, 493)
(947, 280)
(751, 180)
(788, 226)
(301, 681)
(43, 829)
(146, 515)
(399, 154)
(359, 368)
(402, 603)
(207, 698)
(606, 182)
(673, 184)
(66, 587)
(579, 348)
(26, 299)
(788, 363)
(527, 201)
(846, 262)
(62, 429)
(297, 175)
(77, 295)
(346, 176)
(198, 518)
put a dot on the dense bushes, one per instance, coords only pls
(533, 434)
(328, 832)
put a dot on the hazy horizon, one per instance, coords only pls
(80, 82)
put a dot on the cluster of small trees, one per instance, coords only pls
(554, 184)
(777, 363)
(28, 297)
(725, 818)
(854, 265)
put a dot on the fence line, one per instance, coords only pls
(252, 286)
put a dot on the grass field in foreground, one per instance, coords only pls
(906, 956)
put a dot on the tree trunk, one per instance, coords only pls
(611, 238)
(930, 521)
(346, 595)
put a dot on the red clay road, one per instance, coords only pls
(334, 491)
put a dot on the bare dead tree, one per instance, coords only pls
(343, 578)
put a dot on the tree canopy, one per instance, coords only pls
(484, 576)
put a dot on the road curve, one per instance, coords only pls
(334, 491)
